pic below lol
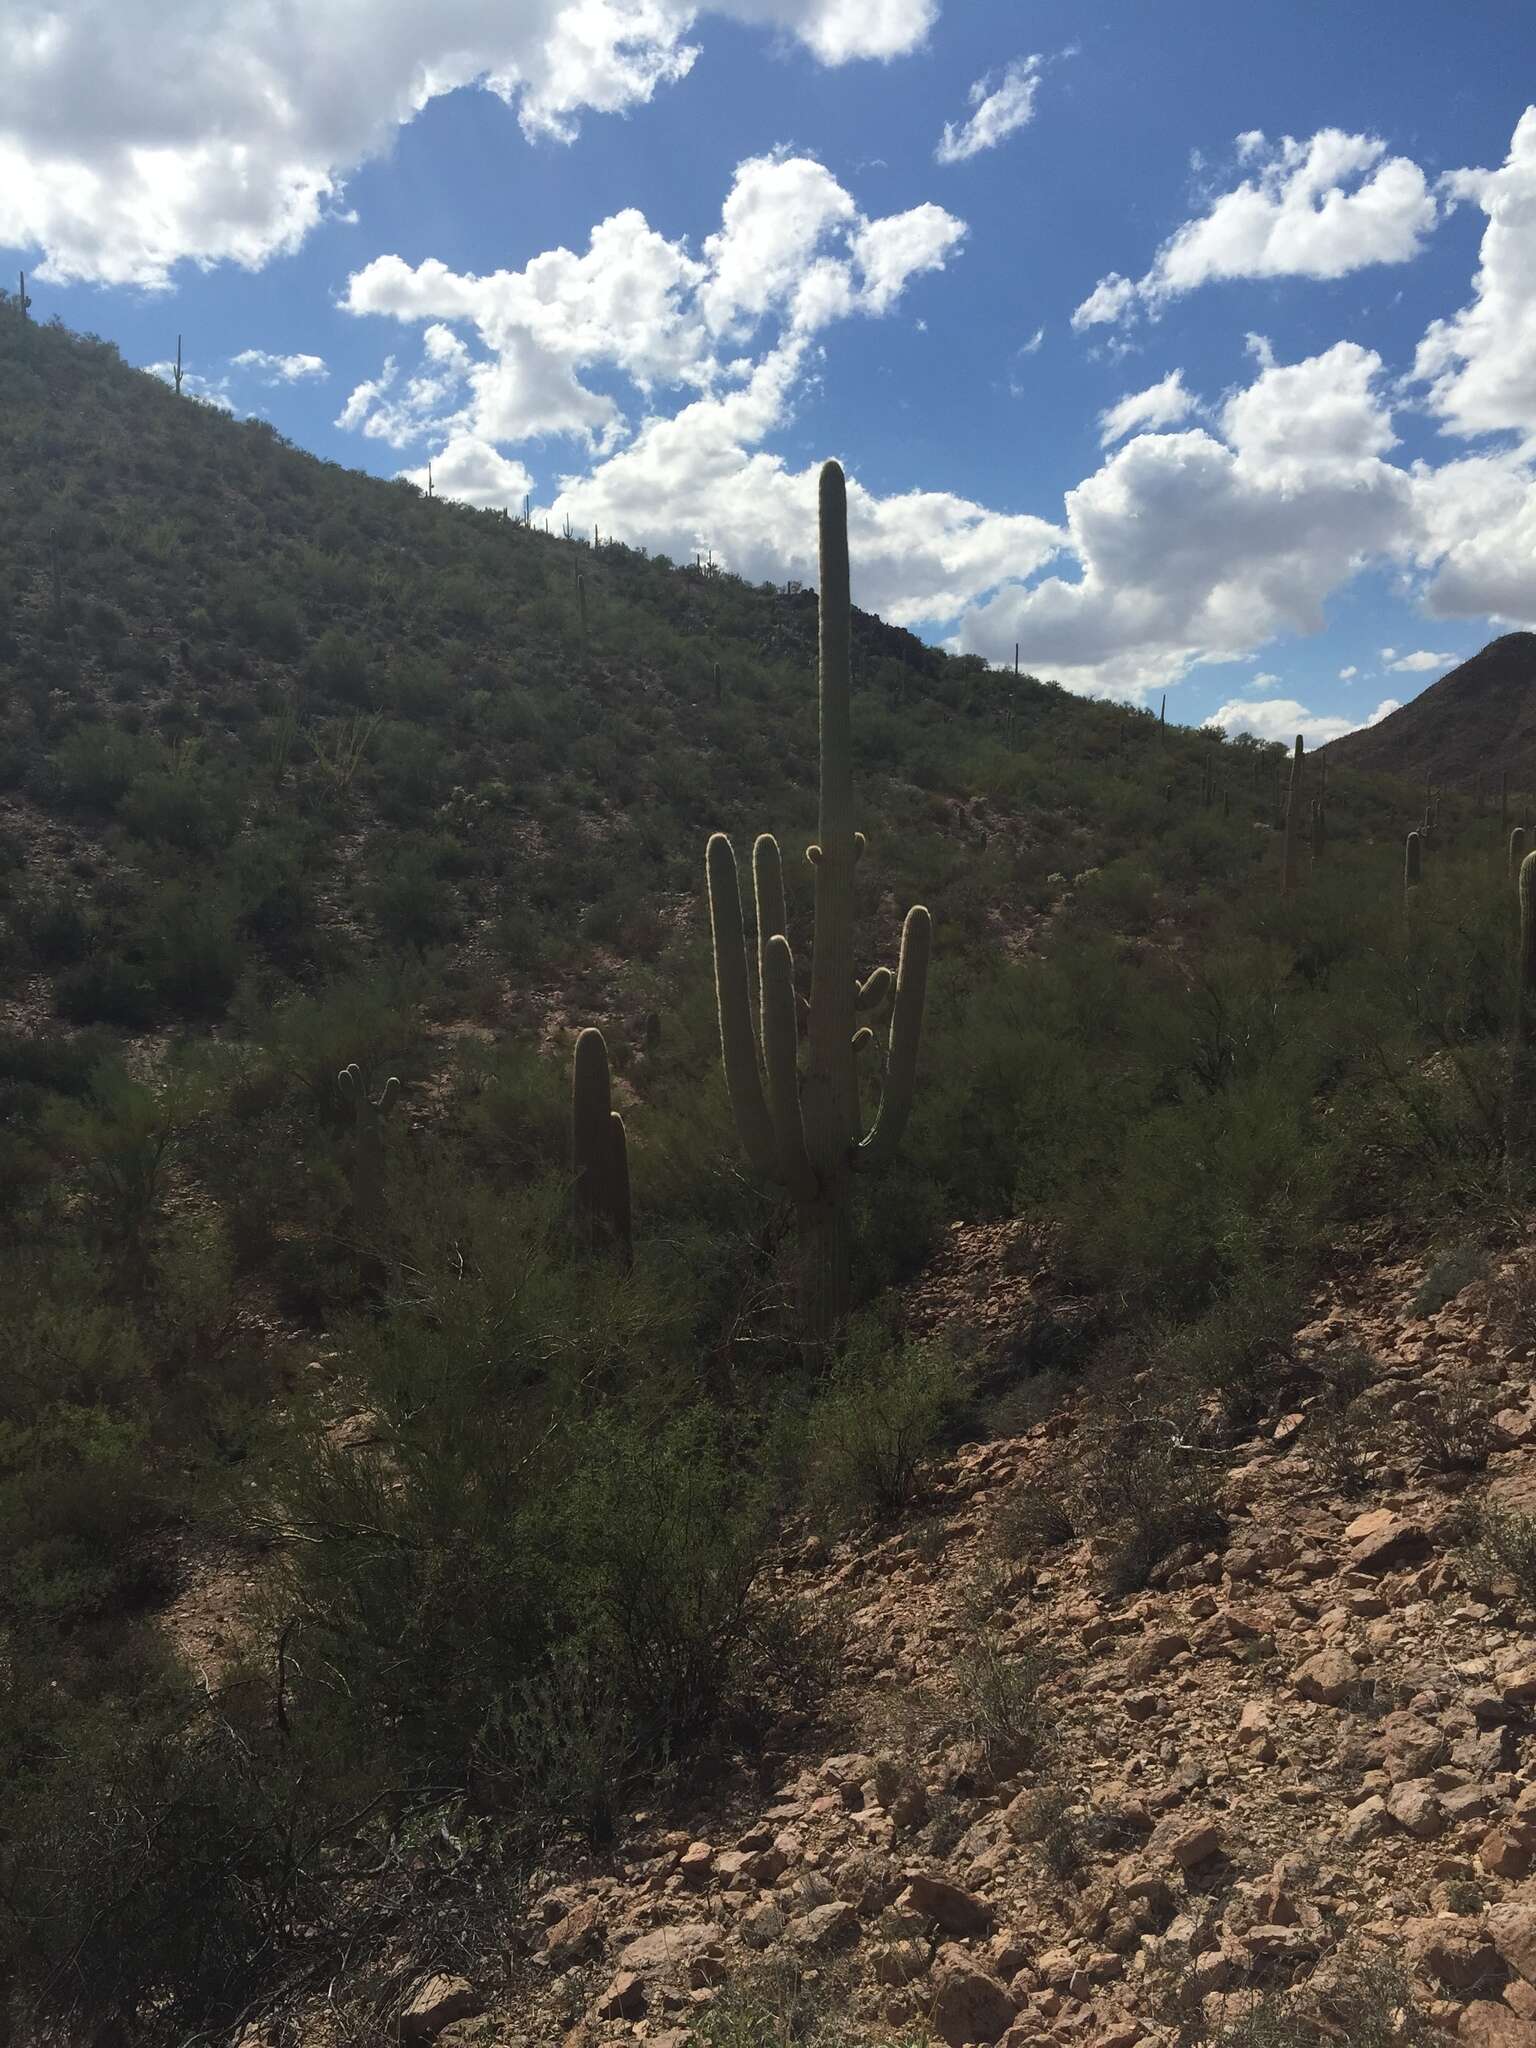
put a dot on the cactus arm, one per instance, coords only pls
(873, 991)
(738, 1044)
(781, 1046)
(768, 897)
(906, 1031)
(620, 1219)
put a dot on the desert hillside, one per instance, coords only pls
(451, 1584)
(1476, 724)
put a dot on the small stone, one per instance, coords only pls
(624, 1999)
(1486, 2025)
(1416, 1810)
(694, 1863)
(571, 1938)
(439, 2002)
(1328, 1677)
(956, 1911)
(968, 2005)
(1512, 1930)
(761, 1927)
(1196, 1845)
(825, 1928)
(1363, 1823)
(1156, 1652)
(1501, 1855)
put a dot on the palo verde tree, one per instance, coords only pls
(804, 1129)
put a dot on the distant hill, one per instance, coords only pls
(1478, 720)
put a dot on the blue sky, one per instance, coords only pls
(1186, 346)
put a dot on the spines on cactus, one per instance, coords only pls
(801, 1126)
(599, 1154)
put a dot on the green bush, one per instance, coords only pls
(868, 1434)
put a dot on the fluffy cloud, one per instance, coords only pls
(1199, 546)
(792, 249)
(1480, 365)
(474, 472)
(701, 480)
(1281, 718)
(1415, 664)
(1160, 405)
(279, 369)
(238, 137)
(1347, 675)
(1477, 534)
(1320, 208)
(997, 111)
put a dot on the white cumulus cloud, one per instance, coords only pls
(1481, 364)
(243, 122)
(1320, 208)
(1160, 405)
(279, 369)
(793, 250)
(999, 108)
(1419, 663)
(1282, 718)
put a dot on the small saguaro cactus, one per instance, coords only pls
(1290, 867)
(1319, 828)
(22, 301)
(718, 685)
(1516, 850)
(581, 601)
(599, 1154)
(365, 1169)
(177, 372)
(805, 1130)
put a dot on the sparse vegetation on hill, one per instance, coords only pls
(304, 776)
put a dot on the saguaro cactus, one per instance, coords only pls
(365, 1171)
(1290, 866)
(1413, 862)
(176, 373)
(599, 1154)
(1319, 828)
(805, 1130)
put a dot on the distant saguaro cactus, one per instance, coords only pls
(22, 301)
(365, 1168)
(599, 1154)
(1413, 861)
(806, 1132)
(581, 601)
(1319, 828)
(176, 373)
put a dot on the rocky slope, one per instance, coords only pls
(1480, 720)
(1298, 1766)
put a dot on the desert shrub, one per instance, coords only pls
(54, 925)
(1498, 1545)
(1447, 1274)
(869, 1432)
(1450, 1426)
(192, 812)
(1148, 1488)
(338, 666)
(1030, 1519)
(998, 1689)
(106, 988)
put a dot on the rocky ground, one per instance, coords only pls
(1299, 1764)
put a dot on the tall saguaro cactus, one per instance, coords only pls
(365, 1172)
(1413, 862)
(804, 1128)
(599, 1154)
